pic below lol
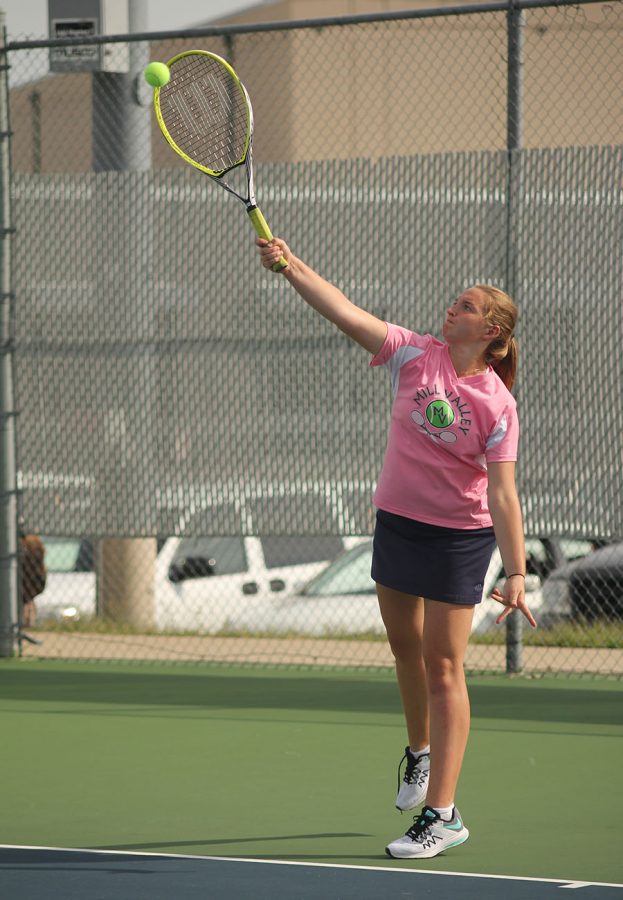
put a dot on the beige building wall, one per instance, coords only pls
(432, 85)
(390, 88)
(51, 124)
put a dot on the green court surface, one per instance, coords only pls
(274, 764)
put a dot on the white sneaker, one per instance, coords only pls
(428, 836)
(414, 785)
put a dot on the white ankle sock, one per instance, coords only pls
(422, 752)
(445, 812)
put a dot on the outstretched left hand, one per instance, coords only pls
(513, 597)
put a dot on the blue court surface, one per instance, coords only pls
(45, 873)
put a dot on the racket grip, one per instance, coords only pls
(262, 230)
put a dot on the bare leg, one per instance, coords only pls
(403, 616)
(28, 614)
(446, 633)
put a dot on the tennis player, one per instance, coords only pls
(445, 495)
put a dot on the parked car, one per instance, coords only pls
(589, 588)
(200, 584)
(543, 556)
(208, 584)
(70, 587)
(311, 585)
(342, 599)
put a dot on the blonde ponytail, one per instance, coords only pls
(505, 366)
(502, 353)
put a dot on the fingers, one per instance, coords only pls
(512, 603)
(526, 612)
(272, 252)
(510, 609)
(509, 606)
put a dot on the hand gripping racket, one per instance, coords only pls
(205, 114)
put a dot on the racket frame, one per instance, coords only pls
(255, 214)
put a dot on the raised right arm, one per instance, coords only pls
(364, 328)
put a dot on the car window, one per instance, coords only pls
(61, 554)
(539, 560)
(283, 550)
(225, 555)
(536, 550)
(350, 574)
(542, 559)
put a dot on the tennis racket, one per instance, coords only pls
(205, 114)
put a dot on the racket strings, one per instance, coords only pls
(205, 112)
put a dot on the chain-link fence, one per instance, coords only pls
(197, 448)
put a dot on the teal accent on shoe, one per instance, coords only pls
(455, 843)
(455, 827)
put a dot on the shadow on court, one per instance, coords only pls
(288, 690)
(220, 842)
(40, 874)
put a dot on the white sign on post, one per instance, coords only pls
(77, 57)
(86, 19)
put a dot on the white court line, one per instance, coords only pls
(561, 882)
(578, 884)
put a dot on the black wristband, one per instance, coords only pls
(517, 573)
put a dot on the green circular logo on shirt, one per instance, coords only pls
(440, 414)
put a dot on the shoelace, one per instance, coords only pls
(420, 832)
(410, 776)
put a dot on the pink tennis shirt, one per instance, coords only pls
(443, 432)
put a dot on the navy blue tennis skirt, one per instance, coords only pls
(447, 564)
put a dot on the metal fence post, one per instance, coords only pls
(122, 142)
(8, 470)
(514, 138)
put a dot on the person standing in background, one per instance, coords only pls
(33, 575)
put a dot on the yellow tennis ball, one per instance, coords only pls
(157, 74)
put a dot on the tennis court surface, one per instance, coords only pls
(204, 781)
(39, 873)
